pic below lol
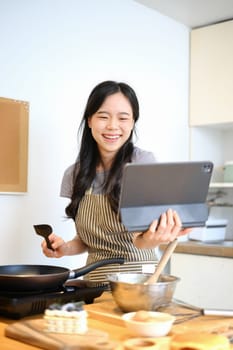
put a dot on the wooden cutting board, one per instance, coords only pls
(32, 332)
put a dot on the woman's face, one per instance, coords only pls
(112, 124)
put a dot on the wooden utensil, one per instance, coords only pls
(163, 261)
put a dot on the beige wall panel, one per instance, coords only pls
(14, 117)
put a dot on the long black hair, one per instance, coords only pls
(89, 157)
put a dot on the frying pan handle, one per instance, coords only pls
(90, 267)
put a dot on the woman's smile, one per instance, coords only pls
(111, 138)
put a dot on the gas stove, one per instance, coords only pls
(17, 305)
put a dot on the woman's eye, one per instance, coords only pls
(103, 117)
(125, 118)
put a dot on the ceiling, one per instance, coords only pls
(193, 13)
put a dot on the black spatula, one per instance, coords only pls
(44, 230)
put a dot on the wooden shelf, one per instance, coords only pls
(221, 185)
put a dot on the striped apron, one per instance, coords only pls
(106, 237)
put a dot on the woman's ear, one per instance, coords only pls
(133, 125)
(89, 122)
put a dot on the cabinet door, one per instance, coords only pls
(211, 74)
(205, 281)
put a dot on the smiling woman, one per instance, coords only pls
(94, 182)
(13, 145)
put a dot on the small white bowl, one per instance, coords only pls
(158, 324)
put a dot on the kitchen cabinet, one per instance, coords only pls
(211, 103)
(211, 75)
(206, 281)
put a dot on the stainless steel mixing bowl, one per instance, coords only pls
(131, 294)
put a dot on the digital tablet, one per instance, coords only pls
(148, 190)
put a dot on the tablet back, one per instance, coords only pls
(148, 190)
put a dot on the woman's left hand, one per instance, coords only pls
(164, 230)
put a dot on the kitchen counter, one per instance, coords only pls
(104, 315)
(219, 249)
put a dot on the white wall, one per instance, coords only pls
(53, 52)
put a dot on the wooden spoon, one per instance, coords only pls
(162, 262)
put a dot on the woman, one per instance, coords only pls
(93, 185)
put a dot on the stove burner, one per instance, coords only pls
(17, 305)
(20, 294)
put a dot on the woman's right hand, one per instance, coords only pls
(61, 248)
(57, 243)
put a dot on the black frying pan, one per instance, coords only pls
(18, 278)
